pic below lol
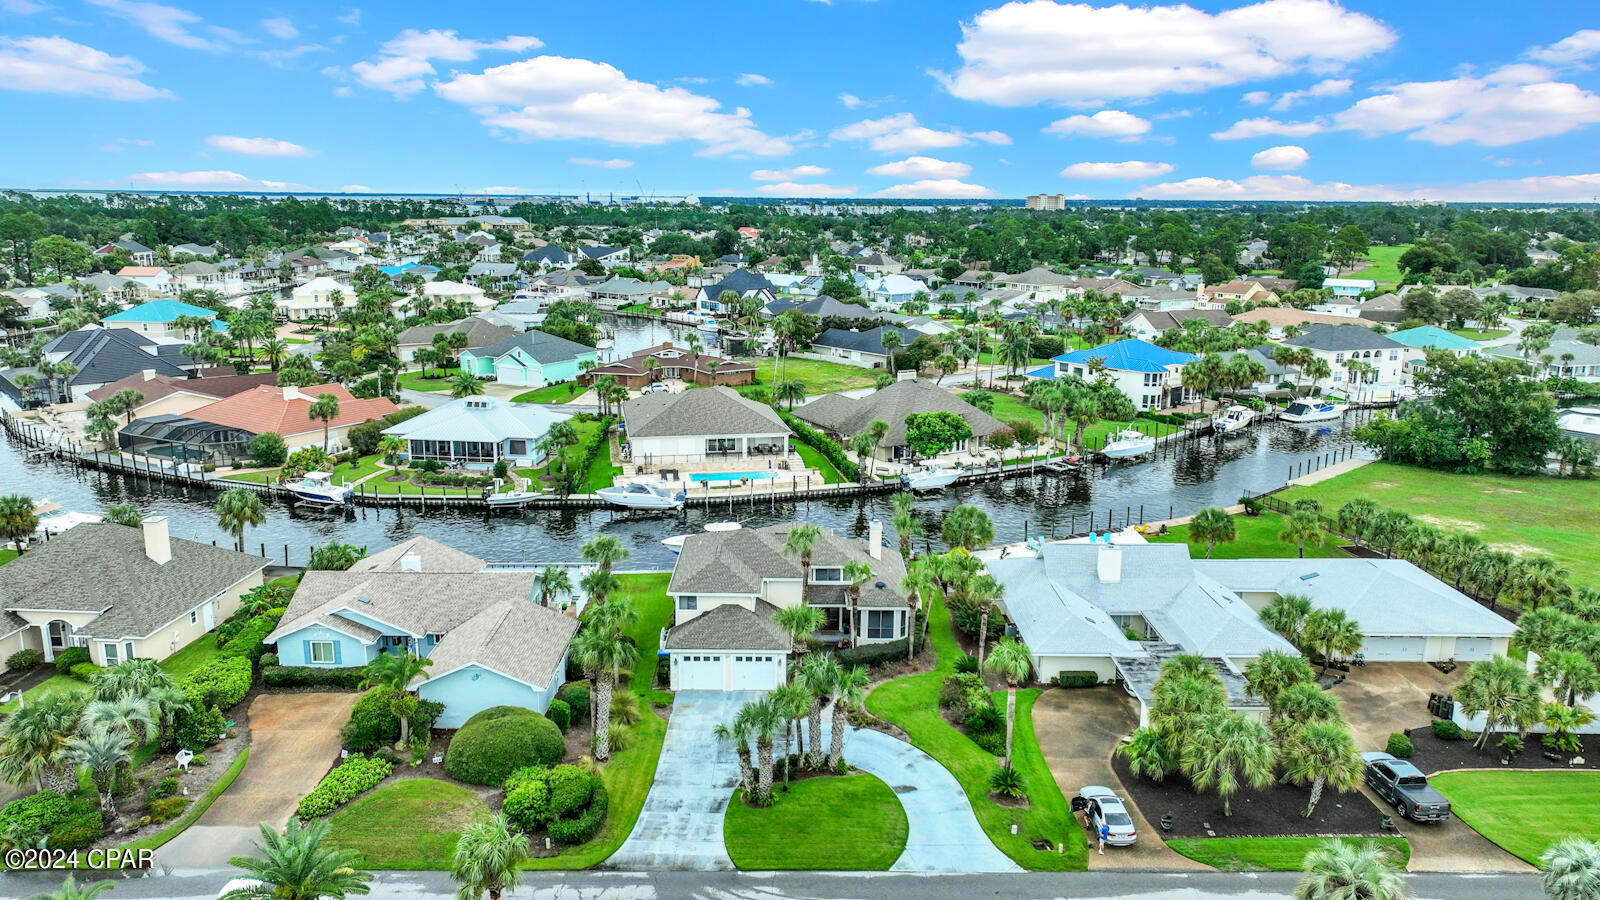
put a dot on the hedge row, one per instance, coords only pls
(601, 440)
(347, 678)
(348, 779)
(63, 823)
(877, 654)
(823, 444)
(1070, 678)
(222, 682)
(249, 642)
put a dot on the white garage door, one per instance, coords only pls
(755, 673)
(699, 672)
(1395, 649)
(1473, 649)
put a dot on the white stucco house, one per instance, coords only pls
(700, 424)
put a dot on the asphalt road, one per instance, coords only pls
(825, 886)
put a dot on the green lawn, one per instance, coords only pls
(913, 704)
(1478, 334)
(1558, 516)
(1095, 436)
(820, 376)
(1525, 812)
(560, 392)
(1384, 264)
(1014, 409)
(199, 651)
(265, 476)
(1276, 854)
(1258, 537)
(7, 556)
(600, 474)
(815, 460)
(410, 824)
(54, 686)
(416, 381)
(833, 824)
(648, 594)
(366, 465)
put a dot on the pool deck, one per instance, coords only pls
(717, 477)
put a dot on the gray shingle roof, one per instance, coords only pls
(100, 567)
(737, 562)
(845, 416)
(516, 638)
(417, 602)
(870, 341)
(544, 348)
(1342, 337)
(731, 627)
(103, 355)
(479, 332)
(709, 410)
(435, 557)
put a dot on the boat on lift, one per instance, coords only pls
(635, 495)
(1314, 411)
(709, 323)
(675, 543)
(930, 478)
(1580, 422)
(318, 489)
(1232, 419)
(1128, 443)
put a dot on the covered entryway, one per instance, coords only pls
(698, 671)
(758, 672)
(1395, 649)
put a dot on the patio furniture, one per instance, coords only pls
(184, 758)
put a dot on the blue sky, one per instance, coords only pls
(1281, 99)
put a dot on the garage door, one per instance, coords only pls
(755, 673)
(699, 672)
(1474, 649)
(1395, 649)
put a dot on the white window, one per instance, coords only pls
(110, 653)
(688, 603)
(1394, 355)
(1338, 357)
(880, 623)
(194, 616)
(827, 575)
(127, 650)
(322, 651)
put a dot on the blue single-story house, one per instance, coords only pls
(491, 641)
(529, 359)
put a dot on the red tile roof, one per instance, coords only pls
(284, 409)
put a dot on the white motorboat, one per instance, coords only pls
(604, 343)
(317, 488)
(931, 478)
(675, 543)
(1580, 422)
(54, 519)
(1128, 443)
(1233, 419)
(510, 499)
(709, 323)
(1314, 411)
(642, 496)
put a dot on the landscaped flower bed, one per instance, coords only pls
(1432, 754)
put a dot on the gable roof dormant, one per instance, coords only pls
(703, 411)
(846, 416)
(731, 627)
(432, 556)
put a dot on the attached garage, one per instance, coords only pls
(1476, 649)
(1395, 649)
(728, 648)
(697, 671)
(758, 672)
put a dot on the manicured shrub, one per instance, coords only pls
(348, 779)
(500, 740)
(966, 664)
(576, 696)
(821, 443)
(346, 678)
(1400, 746)
(962, 694)
(23, 660)
(1077, 679)
(168, 809)
(985, 720)
(84, 671)
(222, 682)
(80, 828)
(267, 450)
(1510, 745)
(195, 727)
(582, 828)
(25, 821)
(527, 803)
(1446, 730)
(372, 725)
(267, 661)
(876, 654)
(71, 656)
(162, 789)
(248, 643)
(993, 743)
(1007, 780)
(570, 789)
(561, 714)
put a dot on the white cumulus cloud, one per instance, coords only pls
(404, 61)
(900, 133)
(1105, 123)
(1509, 105)
(1575, 48)
(1254, 128)
(214, 179)
(1327, 87)
(1132, 168)
(176, 26)
(561, 98)
(922, 167)
(600, 163)
(54, 65)
(1536, 189)
(257, 146)
(357, 189)
(788, 174)
(936, 188)
(1280, 159)
(851, 101)
(752, 79)
(1046, 51)
(795, 189)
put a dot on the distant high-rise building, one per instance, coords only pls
(1047, 201)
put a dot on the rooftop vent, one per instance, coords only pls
(1309, 575)
(363, 599)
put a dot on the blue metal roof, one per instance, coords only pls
(158, 311)
(1130, 356)
(1433, 337)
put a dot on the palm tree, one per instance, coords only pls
(1505, 692)
(236, 509)
(602, 653)
(967, 526)
(1322, 754)
(800, 542)
(849, 692)
(139, 677)
(983, 591)
(129, 714)
(793, 701)
(488, 859)
(1302, 527)
(799, 622)
(1354, 516)
(1227, 751)
(862, 446)
(394, 672)
(70, 890)
(1350, 870)
(1211, 526)
(1538, 579)
(819, 674)
(102, 751)
(124, 514)
(324, 409)
(765, 721)
(275, 351)
(1299, 704)
(856, 574)
(551, 582)
(1273, 672)
(32, 741)
(17, 520)
(604, 551)
(879, 429)
(890, 340)
(1148, 755)
(947, 364)
(906, 524)
(1570, 870)
(1010, 660)
(1570, 674)
(737, 733)
(790, 391)
(391, 446)
(296, 865)
(1332, 634)
(463, 384)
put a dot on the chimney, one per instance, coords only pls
(1109, 564)
(290, 392)
(147, 374)
(411, 562)
(157, 543)
(875, 539)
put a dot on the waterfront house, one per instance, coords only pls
(859, 348)
(178, 394)
(705, 423)
(529, 359)
(223, 429)
(478, 432)
(1569, 357)
(319, 298)
(673, 364)
(1339, 344)
(479, 332)
(438, 293)
(842, 416)
(1149, 324)
(154, 280)
(124, 593)
(741, 282)
(1150, 376)
(1432, 337)
(103, 355)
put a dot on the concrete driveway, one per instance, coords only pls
(681, 824)
(1077, 730)
(944, 835)
(294, 738)
(1383, 698)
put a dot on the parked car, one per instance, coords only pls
(1404, 786)
(1104, 807)
(655, 387)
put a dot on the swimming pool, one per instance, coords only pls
(728, 476)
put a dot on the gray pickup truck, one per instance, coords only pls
(1404, 785)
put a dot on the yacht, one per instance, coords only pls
(642, 496)
(1314, 411)
(1128, 443)
(931, 478)
(1232, 419)
(317, 488)
(675, 543)
(708, 323)
(1580, 422)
